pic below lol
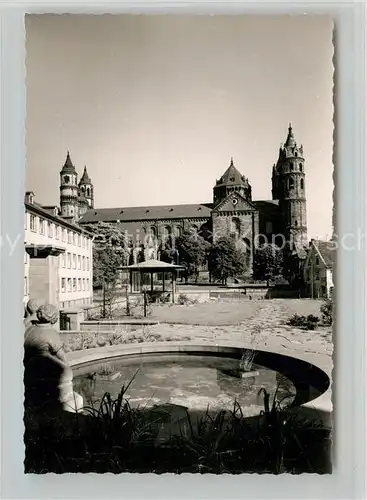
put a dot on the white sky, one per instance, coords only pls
(155, 106)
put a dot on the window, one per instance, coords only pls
(32, 224)
(63, 285)
(296, 154)
(301, 183)
(69, 284)
(74, 261)
(87, 263)
(79, 240)
(296, 223)
(300, 167)
(79, 262)
(50, 228)
(63, 259)
(69, 260)
(74, 284)
(69, 237)
(291, 183)
(87, 283)
(83, 284)
(317, 261)
(269, 227)
(25, 286)
(74, 239)
(42, 226)
(57, 232)
(291, 165)
(79, 284)
(178, 231)
(63, 234)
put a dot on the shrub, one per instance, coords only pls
(184, 300)
(326, 310)
(305, 322)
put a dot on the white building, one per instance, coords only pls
(58, 263)
(318, 269)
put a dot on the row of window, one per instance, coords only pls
(72, 303)
(55, 231)
(292, 165)
(291, 183)
(74, 284)
(74, 261)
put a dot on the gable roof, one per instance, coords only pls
(125, 214)
(326, 251)
(227, 205)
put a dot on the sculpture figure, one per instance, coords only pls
(48, 379)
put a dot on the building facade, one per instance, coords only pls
(232, 211)
(318, 269)
(58, 262)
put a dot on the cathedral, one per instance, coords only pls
(232, 211)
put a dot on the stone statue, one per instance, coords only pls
(30, 313)
(48, 379)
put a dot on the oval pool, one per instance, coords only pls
(198, 381)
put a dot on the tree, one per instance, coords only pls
(268, 262)
(110, 251)
(226, 260)
(167, 251)
(192, 252)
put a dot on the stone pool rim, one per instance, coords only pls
(88, 356)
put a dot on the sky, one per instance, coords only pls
(156, 106)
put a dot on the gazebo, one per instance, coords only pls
(151, 267)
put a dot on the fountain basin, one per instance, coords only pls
(197, 375)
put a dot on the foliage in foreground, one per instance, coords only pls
(114, 437)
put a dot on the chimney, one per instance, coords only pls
(29, 197)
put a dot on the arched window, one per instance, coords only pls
(291, 165)
(300, 167)
(235, 226)
(166, 231)
(291, 183)
(302, 183)
(295, 154)
(88, 191)
(178, 231)
(296, 223)
(152, 231)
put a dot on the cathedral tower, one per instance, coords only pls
(288, 186)
(69, 190)
(86, 193)
(232, 181)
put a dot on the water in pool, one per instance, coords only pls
(195, 382)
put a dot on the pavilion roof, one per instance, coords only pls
(153, 265)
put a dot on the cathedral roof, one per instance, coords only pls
(68, 167)
(166, 212)
(232, 176)
(148, 213)
(85, 177)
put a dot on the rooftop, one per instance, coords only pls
(326, 249)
